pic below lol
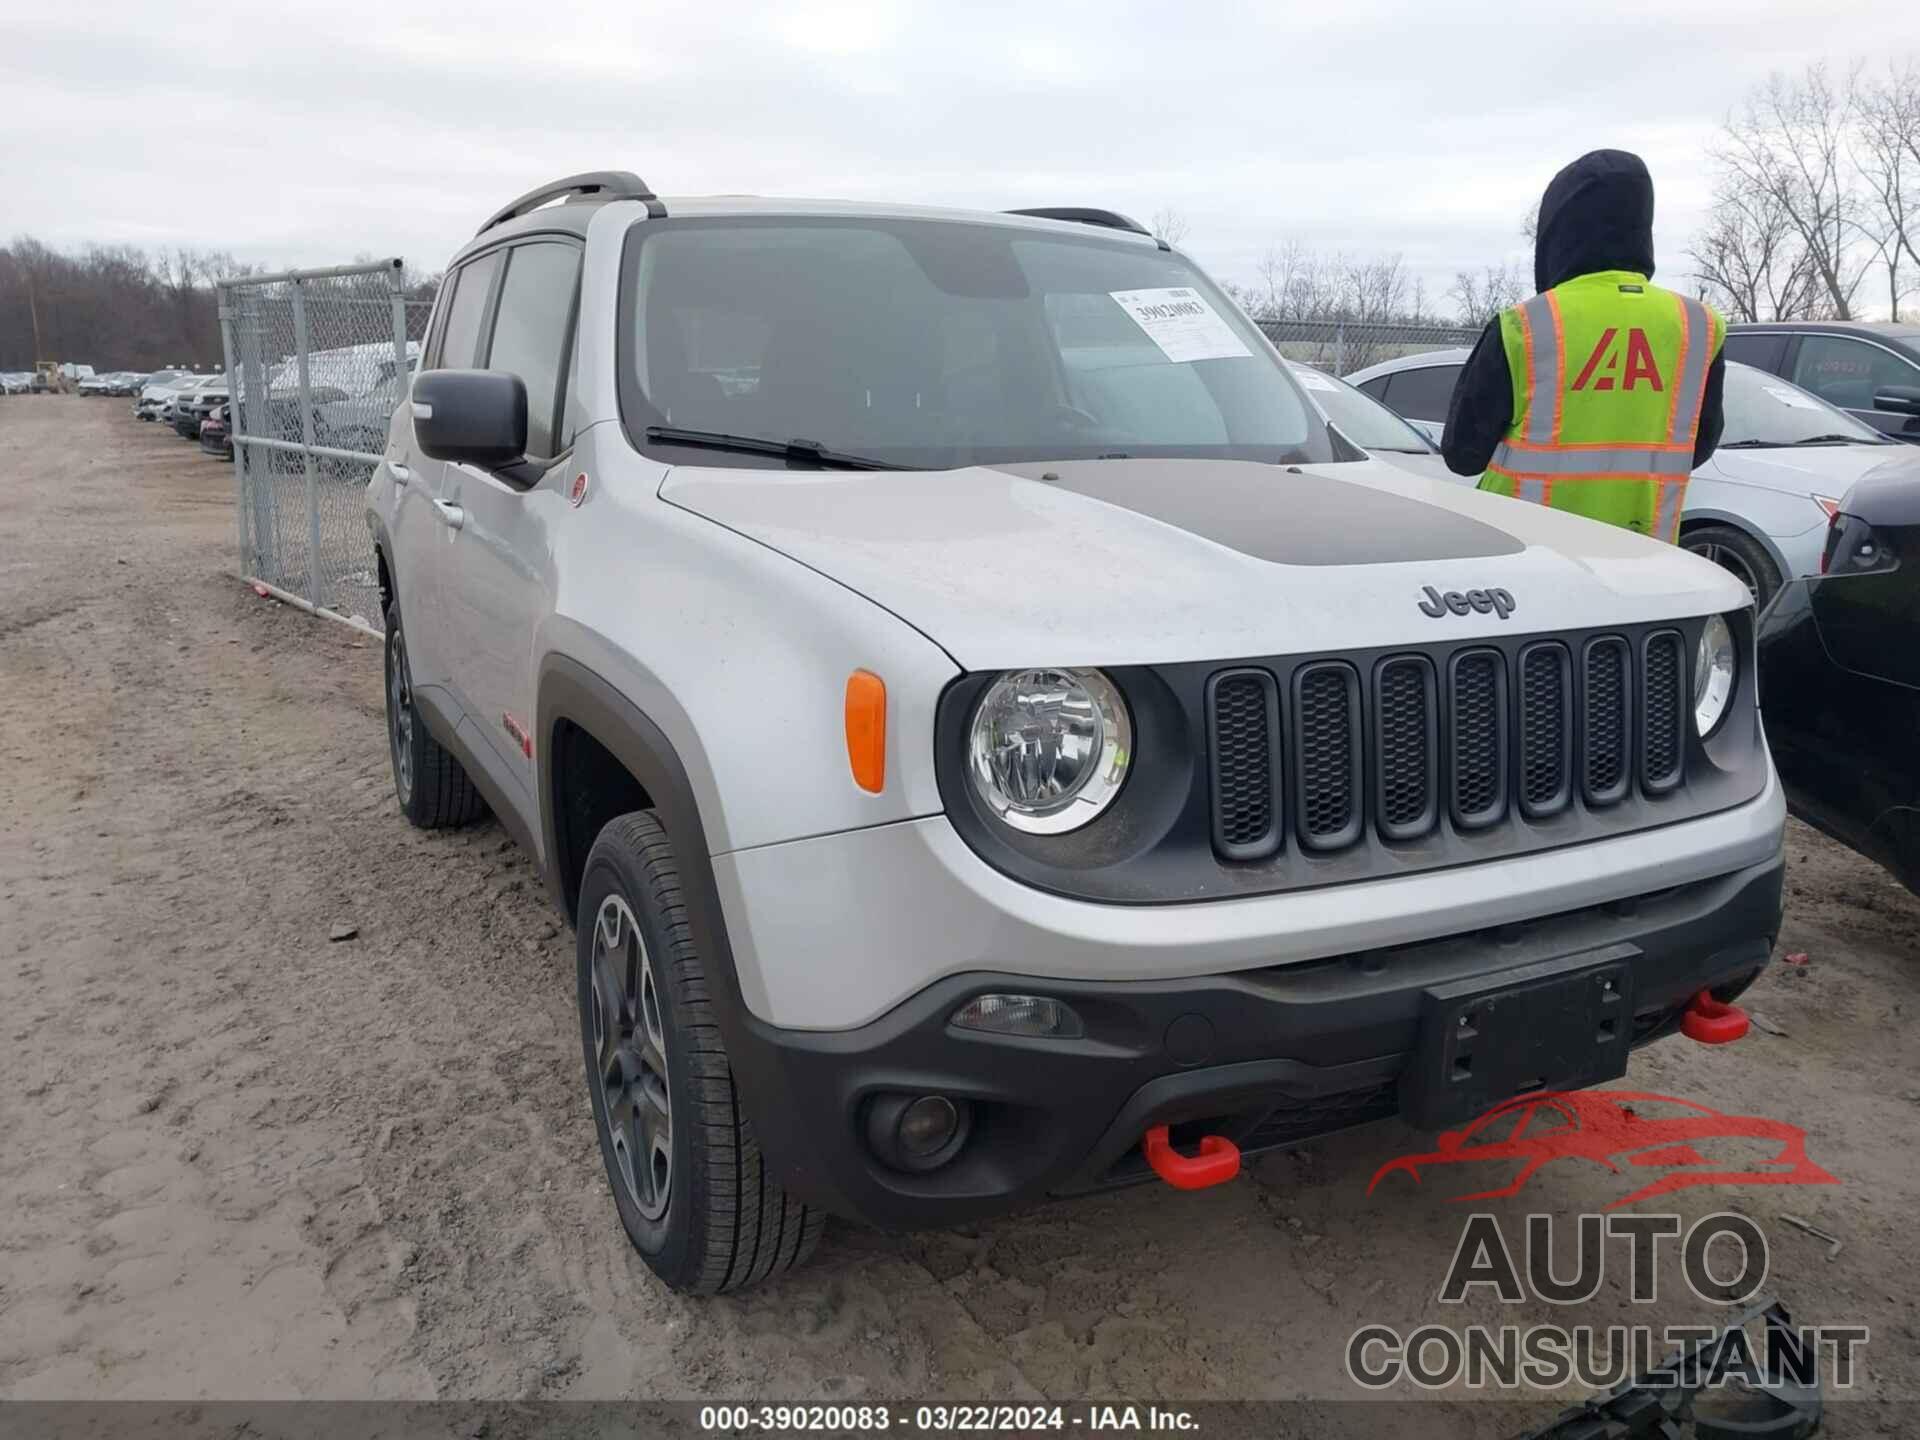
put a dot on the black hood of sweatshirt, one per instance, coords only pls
(1597, 214)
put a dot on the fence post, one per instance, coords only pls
(1340, 347)
(402, 376)
(241, 498)
(306, 441)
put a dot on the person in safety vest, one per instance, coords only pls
(1602, 393)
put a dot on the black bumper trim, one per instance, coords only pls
(1268, 1057)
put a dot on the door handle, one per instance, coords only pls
(451, 515)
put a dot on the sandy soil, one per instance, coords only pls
(238, 1159)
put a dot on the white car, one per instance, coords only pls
(1371, 425)
(998, 736)
(1759, 507)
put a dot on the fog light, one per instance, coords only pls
(1038, 1016)
(917, 1133)
(926, 1125)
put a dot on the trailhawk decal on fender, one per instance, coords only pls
(1497, 602)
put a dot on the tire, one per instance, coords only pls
(431, 786)
(699, 1204)
(1739, 554)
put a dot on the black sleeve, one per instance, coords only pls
(1713, 415)
(1482, 406)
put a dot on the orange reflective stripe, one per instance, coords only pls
(1526, 347)
(1519, 444)
(1559, 360)
(1680, 368)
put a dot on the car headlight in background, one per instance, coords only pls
(1713, 671)
(1047, 749)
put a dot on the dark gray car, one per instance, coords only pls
(1870, 369)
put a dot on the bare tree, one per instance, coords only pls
(1169, 225)
(1750, 261)
(1789, 143)
(1478, 297)
(1887, 153)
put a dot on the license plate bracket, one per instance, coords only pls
(1561, 1024)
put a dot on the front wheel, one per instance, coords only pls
(1740, 555)
(689, 1182)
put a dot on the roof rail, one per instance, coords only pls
(600, 184)
(1087, 215)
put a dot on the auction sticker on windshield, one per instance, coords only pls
(1182, 324)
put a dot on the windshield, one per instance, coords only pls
(1764, 410)
(935, 344)
(1361, 418)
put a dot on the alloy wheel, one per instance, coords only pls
(1730, 561)
(630, 1059)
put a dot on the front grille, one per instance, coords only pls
(1326, 707)
(1662, 743)
(1477, 758)
(1405, 744)
(1243, 718)
(1546, 736)
(1475, 736)
(1607, 721)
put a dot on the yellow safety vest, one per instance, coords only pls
(1608, 376)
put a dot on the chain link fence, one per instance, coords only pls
(316, 362)
(1341, 347)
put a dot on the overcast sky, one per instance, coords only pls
(303, 134)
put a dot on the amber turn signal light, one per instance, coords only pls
(867, 730)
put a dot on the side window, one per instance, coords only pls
(1377, 387)
(531, 328)
(1759, 349)
(460, 339)
(1846, 372)
(1423, 394)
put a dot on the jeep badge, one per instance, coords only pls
(1500, 602)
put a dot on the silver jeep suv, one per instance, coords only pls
(991, 733)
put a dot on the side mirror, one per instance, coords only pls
(478, 417)
(1450, 1139)
(1904, 399)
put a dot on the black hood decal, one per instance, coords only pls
(1597, 214)
(1278, 514)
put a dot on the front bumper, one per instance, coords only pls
(1267, 1057)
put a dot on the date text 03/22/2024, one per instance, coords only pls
(941, 1419)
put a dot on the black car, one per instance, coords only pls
(1869, 368)
(191, 409)
(1840, 676)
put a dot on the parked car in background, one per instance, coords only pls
(1417, 388)
(1840, 659)
(1759, 506)
(216, 434)
(16, 382)
(1371, 425)
(1871, 369)
(96, 385)
(192, 406)
(160, 388)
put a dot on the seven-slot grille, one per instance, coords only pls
(1477, 735)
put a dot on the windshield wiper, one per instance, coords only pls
(810, 452)
(1837, 440)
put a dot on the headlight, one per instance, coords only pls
(1713, 668)
(1048, 748)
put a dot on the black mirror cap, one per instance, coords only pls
(1903, 398)
(478, 417)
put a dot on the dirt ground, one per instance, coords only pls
(238, 1159)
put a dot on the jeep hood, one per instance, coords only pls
(1121, 562)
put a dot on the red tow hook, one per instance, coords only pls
(1217, 1162)
(1713, 1022)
